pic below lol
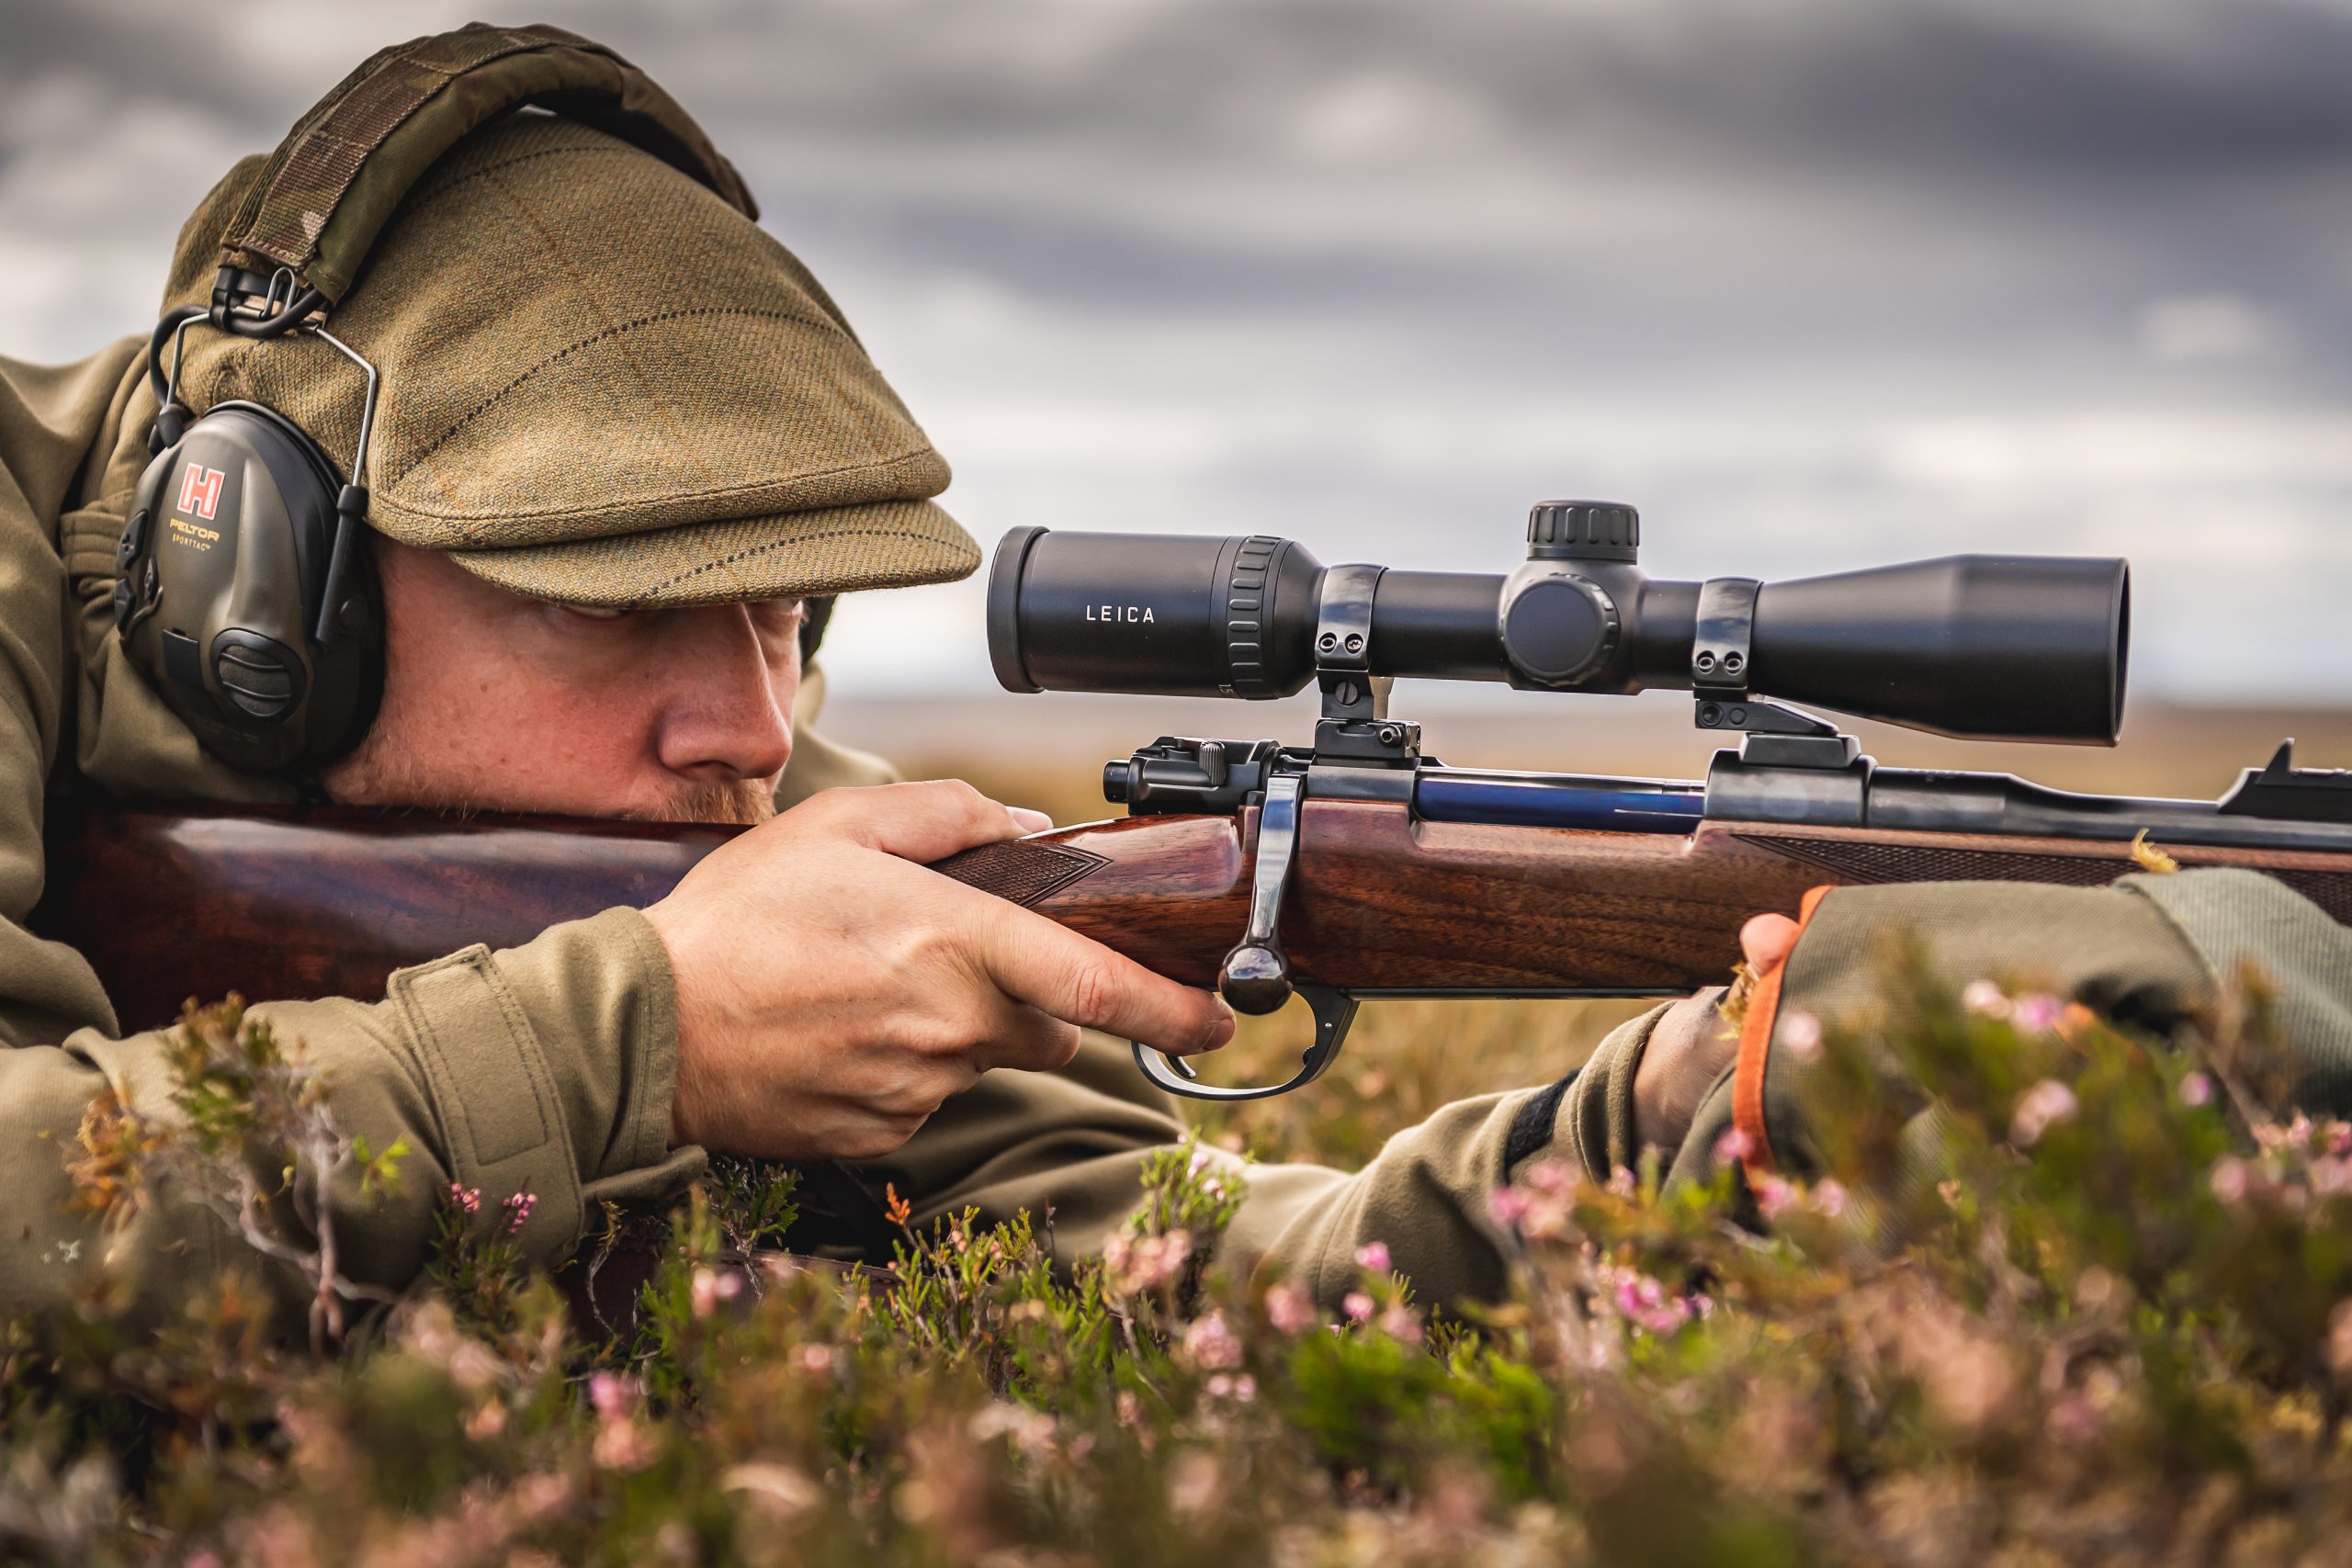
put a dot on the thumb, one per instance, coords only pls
(1764, 942)
(923, 821)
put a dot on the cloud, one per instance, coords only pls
(1815, 282)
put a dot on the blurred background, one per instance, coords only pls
(1815, 283)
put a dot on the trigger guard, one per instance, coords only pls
(1334, 1010)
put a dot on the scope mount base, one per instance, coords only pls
(1774, 735)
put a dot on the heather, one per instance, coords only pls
(2047, 1291)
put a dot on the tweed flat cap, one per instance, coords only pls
(601, 384)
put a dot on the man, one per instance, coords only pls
(622, 435)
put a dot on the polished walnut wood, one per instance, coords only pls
(173, 902)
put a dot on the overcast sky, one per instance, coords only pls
(1815, 284)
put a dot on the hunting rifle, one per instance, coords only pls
(1353, 867)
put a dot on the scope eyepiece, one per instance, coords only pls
(2026, 647)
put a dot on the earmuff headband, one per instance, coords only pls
(304, 230)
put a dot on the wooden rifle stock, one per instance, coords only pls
(174, 902)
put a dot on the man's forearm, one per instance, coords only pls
(545, 1069)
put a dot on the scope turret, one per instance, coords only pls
(1991, 646)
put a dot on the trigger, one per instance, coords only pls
(1334, 1010)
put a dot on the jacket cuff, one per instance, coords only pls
(551, 1066)
(1756, 1051)
(1590, 1115)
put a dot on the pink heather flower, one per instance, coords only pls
(1799, 1033)
(1635, 1293)
(1373, 1254)
(1622, 1182)
(1357, 1305)
(1510, 1204)
(1549, 1176)
(2295, 1135)
(1829, 1197)
(2196, 1089)
(1210, 1345)
(1642, 1302)
(1701, 1305)
(1986, 997)
(1667, 1317)
(1734, 1146)
(2038, 1012)
(2330, 1176)
(2339, 1139)
(2046, 1102)
(1288, 1309)
(1241, 1390)
(817, 1359)
(612, 1395)
(1772, 1195)
(705, 1295)
(2229, 1179)
(518, 1210)
(1146, 1262)
(468, 1200)
(622, 1444)
(1398, 1322)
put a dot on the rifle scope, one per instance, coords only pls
(2021, 647)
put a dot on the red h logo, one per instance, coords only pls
(200, 489)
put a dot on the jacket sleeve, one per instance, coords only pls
(546, 1068)
(2153, 952)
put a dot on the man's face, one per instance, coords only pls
(495, 701)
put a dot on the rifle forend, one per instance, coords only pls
(2018, 648)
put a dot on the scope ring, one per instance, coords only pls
(1334, 1010)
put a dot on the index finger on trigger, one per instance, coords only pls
(1080, 981)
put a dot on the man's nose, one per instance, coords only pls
(728, 710)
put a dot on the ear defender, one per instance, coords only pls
(241, 589)
(224, 576)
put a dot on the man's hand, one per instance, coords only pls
(832, 992)
(1693, 1044)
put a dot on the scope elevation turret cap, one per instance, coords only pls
(1583, 530)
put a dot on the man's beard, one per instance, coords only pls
(381, 775)
(747, 802)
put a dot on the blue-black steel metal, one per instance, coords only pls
(1559, 800)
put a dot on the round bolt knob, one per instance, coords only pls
(1256, 980)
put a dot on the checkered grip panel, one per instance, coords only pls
(1027, 874)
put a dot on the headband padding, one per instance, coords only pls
(335, 181)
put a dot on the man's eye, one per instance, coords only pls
(599, 611)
